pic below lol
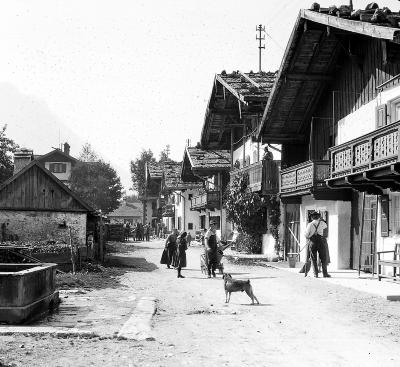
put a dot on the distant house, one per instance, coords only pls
(58, 162)
(127, 212)
(36, 206)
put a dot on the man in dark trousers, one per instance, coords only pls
(211, 241)
(314, 234)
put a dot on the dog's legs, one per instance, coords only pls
(226, 297)
(251, 295)
(229, 296)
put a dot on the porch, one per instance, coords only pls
(369, 163)
(263, 176)
(210, 199)
(308, 178)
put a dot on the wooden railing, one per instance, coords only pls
(209, 199)
(375, 149)
(304, 176)
(263, 176)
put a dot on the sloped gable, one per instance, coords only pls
(35, 188)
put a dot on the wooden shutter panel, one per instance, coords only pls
(384, 216)
(381, 116)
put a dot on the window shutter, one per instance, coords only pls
(384, 216)
(381, 116)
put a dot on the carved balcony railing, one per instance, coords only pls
(168, 210)
(207, 200)
(303, 177)
(374, 150)
(263, 176)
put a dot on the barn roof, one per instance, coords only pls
(67, 201)
(308, 66)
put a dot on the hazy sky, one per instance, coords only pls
(128, 75)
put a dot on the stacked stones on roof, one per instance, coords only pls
(372, 14)
(172, 177)
(209, 159)
(155, 170)
(250, 84)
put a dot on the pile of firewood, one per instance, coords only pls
(372, 14)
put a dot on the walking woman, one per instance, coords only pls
(170, 249)
(180, 257)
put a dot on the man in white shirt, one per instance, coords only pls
(314, 234)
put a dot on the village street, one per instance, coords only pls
(300, 321)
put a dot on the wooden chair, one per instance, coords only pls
(394, 263)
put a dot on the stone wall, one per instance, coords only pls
(43, 225)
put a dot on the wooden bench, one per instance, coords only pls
(394, 263)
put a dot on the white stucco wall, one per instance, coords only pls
(188, 216)
(362, 121)
(339, 219)
(61, 176)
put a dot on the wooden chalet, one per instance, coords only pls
(35, 206)
(233, 114)
(333, 108)
(152, 201)
(211, 168)
(178, 195)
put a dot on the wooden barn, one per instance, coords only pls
(36, 206)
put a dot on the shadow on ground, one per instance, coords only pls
(139, 264)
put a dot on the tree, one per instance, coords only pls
(138, 172)
(7, 147)
(88, 154)
(96, 182)
(164, 154)
(250, 212)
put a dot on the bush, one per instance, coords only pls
(250, 244)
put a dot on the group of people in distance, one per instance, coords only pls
(174, 253)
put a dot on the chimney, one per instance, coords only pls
(66, 148)
(22, 157)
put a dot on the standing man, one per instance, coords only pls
(314, 234)
(211, 241)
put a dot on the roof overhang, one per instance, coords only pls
(307, 68)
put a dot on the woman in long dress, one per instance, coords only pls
(180, 256)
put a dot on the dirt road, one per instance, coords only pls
(300, 322)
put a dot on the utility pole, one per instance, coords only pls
(260, 28)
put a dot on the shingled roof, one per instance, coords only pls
(233, 96)
(209, 159)
(310, 63)
(172, 178)
(155, 170)
(248, 86)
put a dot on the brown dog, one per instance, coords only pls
(235, 285)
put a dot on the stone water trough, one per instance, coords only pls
(26, 291)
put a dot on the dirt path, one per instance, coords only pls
(300, 321)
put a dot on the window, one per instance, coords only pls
(190, 226)
(190, 196)
(394, 109)
(202, 221)
(179, 223)
(58, 167)
(381, 116)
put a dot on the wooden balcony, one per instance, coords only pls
(168, 210)
(263, 176)
(207, 200)
(305, 178)
(369, 163)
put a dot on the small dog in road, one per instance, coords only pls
(235, 285)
